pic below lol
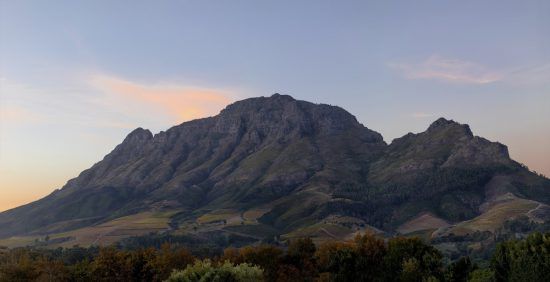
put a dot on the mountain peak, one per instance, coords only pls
(443, 123)
(282, 116)
(282, 97)
(139, 134)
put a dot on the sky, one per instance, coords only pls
(77, 76)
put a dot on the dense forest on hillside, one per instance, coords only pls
(366, 258)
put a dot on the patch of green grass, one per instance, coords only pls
(495, 216)
(18, 241)
(103, 234)
(254, 230)
(320, 230)
(118, 229)
(425, 235)
(230, 216)
(252, 215)
(421, 223)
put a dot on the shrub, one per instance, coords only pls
(206, 271)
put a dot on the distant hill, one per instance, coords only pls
(276, 167)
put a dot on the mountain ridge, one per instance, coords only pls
(292, 164)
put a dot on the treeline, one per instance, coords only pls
(366, 258)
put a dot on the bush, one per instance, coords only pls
(206, 271)
(482, 275)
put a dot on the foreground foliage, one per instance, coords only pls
(205, 270)
(366, 258)
(523, 260)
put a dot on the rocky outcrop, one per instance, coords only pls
(306, 160)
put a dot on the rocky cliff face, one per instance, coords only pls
(254, 151)
(298, 161)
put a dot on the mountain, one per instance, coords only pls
(276, 166)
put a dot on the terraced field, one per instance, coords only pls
(102, 234)
(251, 216)
(424, 221)
(230, 217)
(321, 232)
(14, 242)
(495, 216)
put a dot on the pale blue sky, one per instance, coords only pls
(77, 76)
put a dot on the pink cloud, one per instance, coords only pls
(181, 103)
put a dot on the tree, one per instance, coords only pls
(109, 265)
(523, 260)
(459, 270)
(370, 257)
(18, 265)
(482, 275)
(168, 259)
(359, 260)
(301, 256)
(411, 254)
(205, 270)
(334, 260)
(51, 270)
(266, 256)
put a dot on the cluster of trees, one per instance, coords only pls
(205, 270)
(366, 258)
(523, 260)
(92, 264)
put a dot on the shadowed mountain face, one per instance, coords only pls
(297, 162)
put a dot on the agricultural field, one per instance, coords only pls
(424, 221)
(321, 232)
(495, 216)
(252, 215)
(227, 216)
(102, 234)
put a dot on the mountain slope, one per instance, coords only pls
(277, 165)
(255, 151)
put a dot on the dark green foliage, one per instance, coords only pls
(203, 245)
(301, 256)
(410, 258)
(451, 193)
(521, 225)
(459, 270)
(366, 258)
(206, 271)
(533, 186)
(523, 260)
(482, 275)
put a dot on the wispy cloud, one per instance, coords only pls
(447, 69)
(181, 103)
(531, 76)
